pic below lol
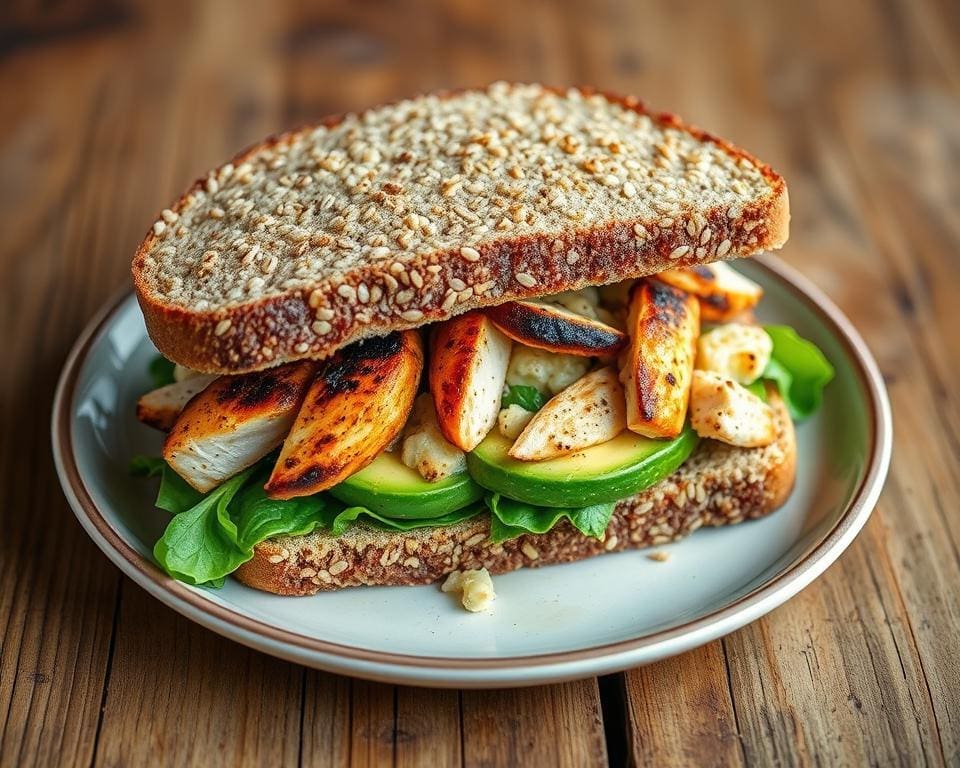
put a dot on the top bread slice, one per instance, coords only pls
(413, 212)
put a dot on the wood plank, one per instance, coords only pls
(556, 725)
(57, 592)
(835, 677)
(428, 728)
(361, 723)
(325, 736)
(679, 711)
(372, 726)
(181, 695)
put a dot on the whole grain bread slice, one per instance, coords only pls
(419, 210)
(718, 485)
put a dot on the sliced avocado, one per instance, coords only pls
(607, 472)
(389, 487)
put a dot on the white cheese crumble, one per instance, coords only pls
(475, 586)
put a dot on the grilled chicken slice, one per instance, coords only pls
(356, 406)
(664, 324)
(556, 328)
(588, 412)
(160, 407)
(234, 422)
(727, 411)
(724, 293)
(468, 367)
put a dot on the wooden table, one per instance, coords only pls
(109, 108)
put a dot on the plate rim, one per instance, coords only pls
(522, 669)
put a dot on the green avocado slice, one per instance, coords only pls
(389, 487)
(607, 472)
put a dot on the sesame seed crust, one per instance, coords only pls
(718, 485)
(512, 191)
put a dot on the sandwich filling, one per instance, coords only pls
(535, 413)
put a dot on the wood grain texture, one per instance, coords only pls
(110, 108)
(682, 708)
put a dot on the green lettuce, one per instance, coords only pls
(161, 371)
(213, 534)
(528, 398)
(510, 518)
(799, 369)
(343, 519)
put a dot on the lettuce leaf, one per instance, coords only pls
(799, 369)
(161, 371)
(213, 534)
(201, 544)
(176, 495)
(342, 520)
(528, 398)
(510, 518)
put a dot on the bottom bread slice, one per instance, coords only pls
(718, 485)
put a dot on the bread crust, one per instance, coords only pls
(718, 485)
(280, 328)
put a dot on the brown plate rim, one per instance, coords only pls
(184, 597)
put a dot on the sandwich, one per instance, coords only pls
(462, 334)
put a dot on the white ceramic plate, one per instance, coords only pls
(550, 624)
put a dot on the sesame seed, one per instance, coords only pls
(465, 295)
(530, 551)
(169, 216)
(724, 248)
(679, 251)
(254, 283)
(525, 279)
(412, 315)
(449, 300)
(268, 265)
(481, 288)
(301, 347)
(456, 283)
(275, 559)
(363, 293)
(338, 567)
(405, 296)
(611, 543)
(572, 257)
(412, 562)
(416, 279)
(347, 291)
(316, 298)
(469, 254)
(222, 327)
(321, 327)
(158, 227)
(380, 252)
(705, 235)
(217, 213)
(666, 223)
(628, 189)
